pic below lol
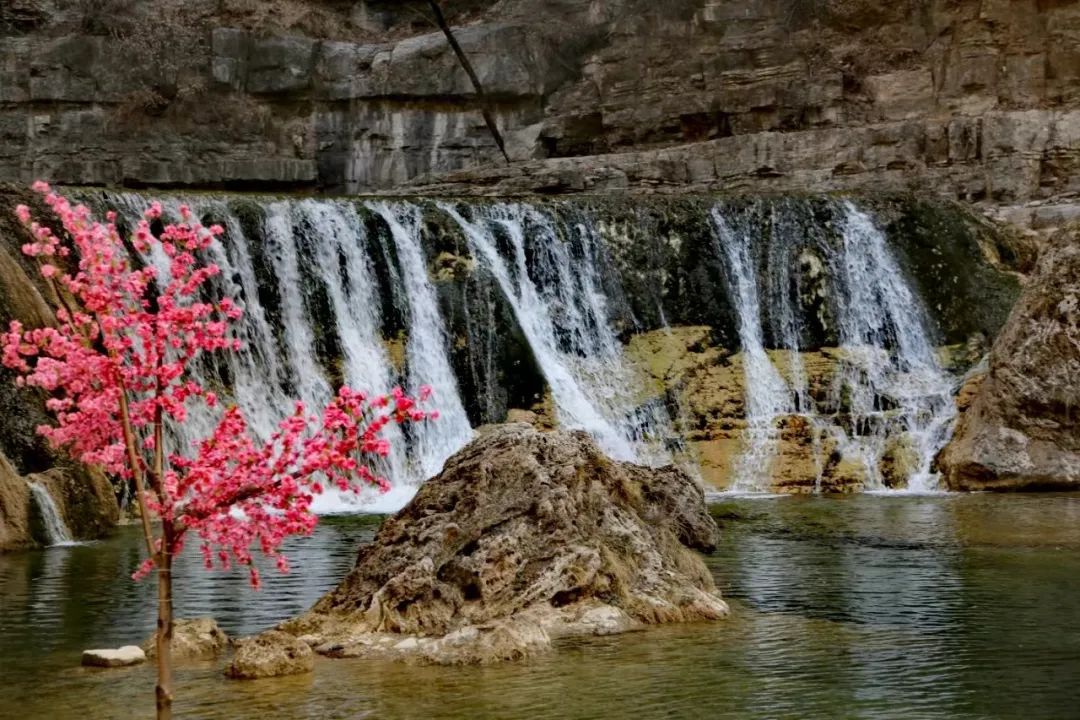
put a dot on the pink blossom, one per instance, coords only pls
(131, 335)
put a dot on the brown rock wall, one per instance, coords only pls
(972, 98)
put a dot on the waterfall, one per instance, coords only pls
(306, 375)
(56, 532)
(552, 283)
(427, 348)
(309, 249)
(882, 327)
(888, 382)
(343, 291)
(258, 377)
(335, 236)
(767, 395)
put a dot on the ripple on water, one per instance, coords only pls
(866, 607)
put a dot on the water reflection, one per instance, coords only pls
(863, 607)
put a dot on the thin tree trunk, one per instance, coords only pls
(485, 109)
(165, 558)
(164, 690)
(136, 470)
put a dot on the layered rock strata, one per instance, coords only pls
(976, 100)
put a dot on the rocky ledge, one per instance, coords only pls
(524, 537)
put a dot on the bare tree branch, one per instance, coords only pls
(485, 109)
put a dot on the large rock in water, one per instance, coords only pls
(193, 639)
(524, 537)
(270, 654)
(1022, 429)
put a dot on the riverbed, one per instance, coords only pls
(867, 606)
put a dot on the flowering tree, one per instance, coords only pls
(116, 368)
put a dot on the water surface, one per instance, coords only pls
(860, 607)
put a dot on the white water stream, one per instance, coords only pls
(56, 531)
(888, 382)
(562, 312)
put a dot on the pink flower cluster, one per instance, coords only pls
(125, 334)
(119, 328)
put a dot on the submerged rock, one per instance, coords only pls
(270, 654)
(1021, 429)
(193, 639)
(524, 537)
(899, 461)
(120, 657)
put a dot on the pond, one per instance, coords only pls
(953, 606)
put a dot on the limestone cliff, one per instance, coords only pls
(975, 99)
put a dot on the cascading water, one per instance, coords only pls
(888, 383)
(426, 352)
(258, 375)
(56, 532)
(561, 311)
(333, 288)
(335, 236)
(893, 377)
(280, 361)
(307, 376)
(767, 395)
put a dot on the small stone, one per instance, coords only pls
(407, 644)
(121, 657)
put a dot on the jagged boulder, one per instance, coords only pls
(524, 537)
(270, 654)
(1022, 427)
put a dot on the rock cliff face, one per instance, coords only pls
(1021, 429)
(524, 537)
(976, 99)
